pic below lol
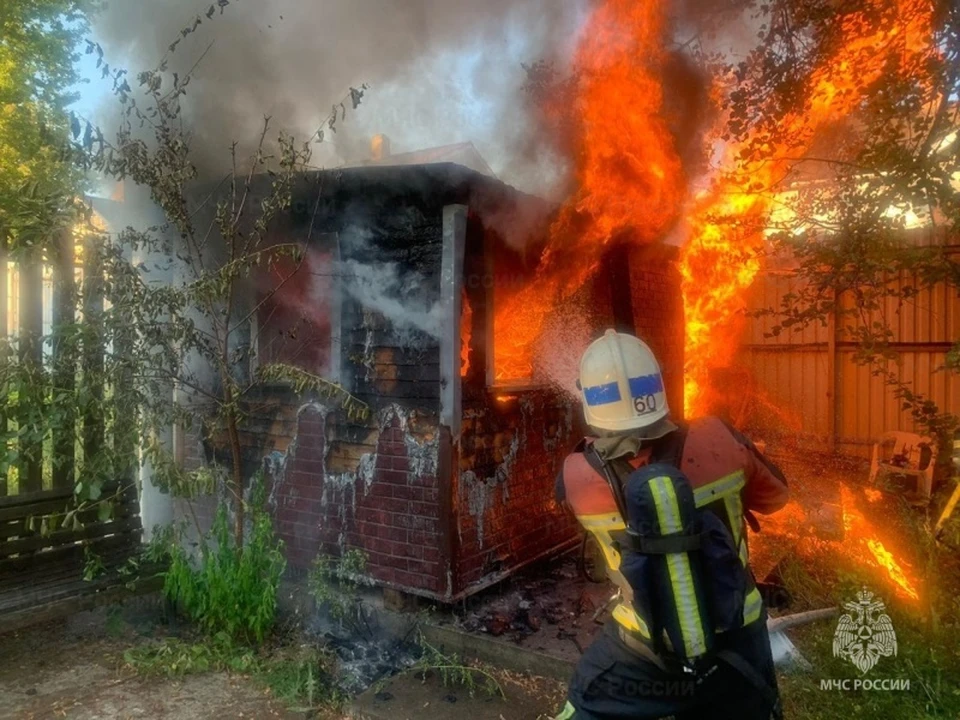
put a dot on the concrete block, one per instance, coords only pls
(399, 601)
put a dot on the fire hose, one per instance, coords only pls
(785, 622)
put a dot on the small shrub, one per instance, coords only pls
(230, 590)
(335, 584)
(302, 678)
(454, 672)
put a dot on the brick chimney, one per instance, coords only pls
(379, 147)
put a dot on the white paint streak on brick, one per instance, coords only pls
(481, 493)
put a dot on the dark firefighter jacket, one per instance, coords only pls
(725, 469)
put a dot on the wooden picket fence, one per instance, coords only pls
(44, 551)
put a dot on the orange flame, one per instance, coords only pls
(873, 495)
(466, 326)
(631, 182)
(629, 175)
(863, 537)
(886, 560)
(722, 256)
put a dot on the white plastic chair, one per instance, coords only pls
(902, 453)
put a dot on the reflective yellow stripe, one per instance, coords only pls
(567, 713)
(607, 521)
(752, 606)
(735, 515)
(753, 603)
(727, 485)
(630, 620)
(600, 526)
(678, 564)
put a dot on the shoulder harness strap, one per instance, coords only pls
(613, 473)
(669, 448)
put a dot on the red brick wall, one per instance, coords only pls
(330, 496)
(329, 492)
(297, 491)
(371, 487)
(396, 523)
(510, 454)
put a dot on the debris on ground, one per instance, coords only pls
(424, 696)
(365, 652)
(549, 608)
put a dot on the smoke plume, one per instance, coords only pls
(398, 296)
(439, 71)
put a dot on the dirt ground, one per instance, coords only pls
(423, 696)
(74, 669)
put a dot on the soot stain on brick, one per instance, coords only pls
(343, 486)
(481, 495)
(422, 452)
(553, 441)
(422, 447)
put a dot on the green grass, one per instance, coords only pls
(929, 662)
(928, 638)
(300, 677)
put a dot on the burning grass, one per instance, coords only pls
(864, 542)
(886, 548)
(832, 515)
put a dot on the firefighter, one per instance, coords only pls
(626, 673)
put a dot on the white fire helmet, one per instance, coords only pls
(620, 384)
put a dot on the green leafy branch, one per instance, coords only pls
(454, 672)
(303, 381)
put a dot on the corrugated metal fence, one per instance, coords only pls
(808, 386)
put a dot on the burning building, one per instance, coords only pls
(445, 480)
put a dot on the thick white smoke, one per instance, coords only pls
(399, 297)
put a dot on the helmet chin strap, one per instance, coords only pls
(660, 428)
